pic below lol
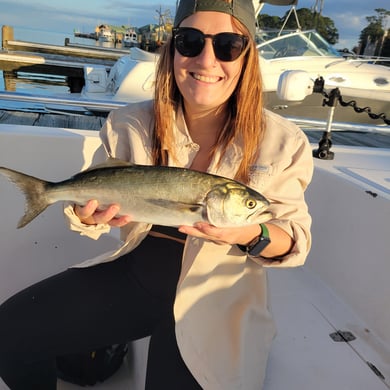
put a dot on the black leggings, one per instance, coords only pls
(83, 309)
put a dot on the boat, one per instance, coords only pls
(130, 38)
(361, 82)
(104, 33)
(332, 314)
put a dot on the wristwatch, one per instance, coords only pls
(256, 246)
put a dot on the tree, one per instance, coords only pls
(327, 29)
(265, 21)
(376, 33)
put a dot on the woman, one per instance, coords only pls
(204, 302)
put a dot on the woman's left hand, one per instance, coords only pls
(281, 242)
(233, 235)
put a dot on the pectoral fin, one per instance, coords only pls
(174, 205)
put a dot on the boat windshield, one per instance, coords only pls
(275, 44)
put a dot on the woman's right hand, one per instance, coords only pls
(89, 215)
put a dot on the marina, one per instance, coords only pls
(332, 314)
(357, 87)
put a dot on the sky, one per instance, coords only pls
(349, 16)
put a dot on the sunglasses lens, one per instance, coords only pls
(189, 42)
(228, 46)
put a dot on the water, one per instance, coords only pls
(46, 84)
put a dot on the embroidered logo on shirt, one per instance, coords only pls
(259, 169)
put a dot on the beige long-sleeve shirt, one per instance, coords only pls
(223, 326)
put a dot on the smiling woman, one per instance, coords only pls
(200, 290)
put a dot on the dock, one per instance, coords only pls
(71, 50)
(68, 60)
(83, 122)
(48, 64)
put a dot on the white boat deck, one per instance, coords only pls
(304, 357)
(342, 287)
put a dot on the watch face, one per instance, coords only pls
(257, 248)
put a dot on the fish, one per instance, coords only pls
(168, 196)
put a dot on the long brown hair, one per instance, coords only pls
(246, 121)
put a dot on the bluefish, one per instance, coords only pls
(167, 196)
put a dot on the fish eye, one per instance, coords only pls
(250, 203)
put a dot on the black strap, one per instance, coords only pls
(169, 231)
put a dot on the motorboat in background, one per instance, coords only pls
(359, 80)
(105, 33)
(131, 78)
(130, 38)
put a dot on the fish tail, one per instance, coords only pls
(34, 190)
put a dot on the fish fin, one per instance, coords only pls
(169, 204)
(34, 190)
(110, 162)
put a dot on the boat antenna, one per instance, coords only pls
(318, 7)
(317, 11)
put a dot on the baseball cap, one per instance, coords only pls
(240, 9)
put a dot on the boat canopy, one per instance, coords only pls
(259, 4)
(279, 2)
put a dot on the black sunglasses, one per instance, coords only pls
(228, 46)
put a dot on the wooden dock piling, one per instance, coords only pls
(7, 33)
(9, 81)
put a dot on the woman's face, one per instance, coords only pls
(205, 82)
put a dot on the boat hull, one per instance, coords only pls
(312, 107)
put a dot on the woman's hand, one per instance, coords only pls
(90, 215)
(281, 242)
(232, 235)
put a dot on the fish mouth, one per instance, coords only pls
(260, 217)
